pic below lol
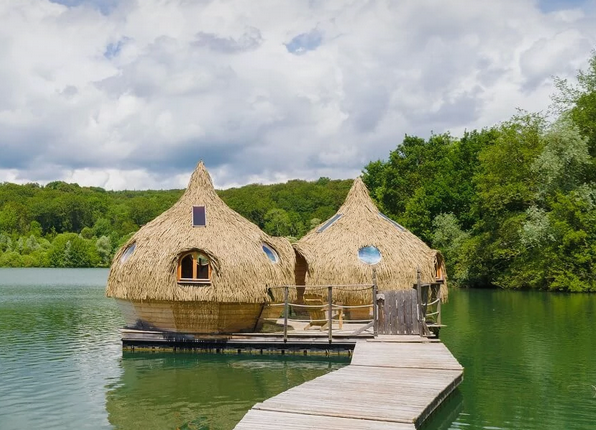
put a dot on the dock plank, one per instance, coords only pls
(431, 355)
(354, 392)
(399, 383)
(402, 339)
(270, 420)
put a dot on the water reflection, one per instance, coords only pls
(528, 358)
(198, 391)
(61, 364)
(446, 414)
(59, 346)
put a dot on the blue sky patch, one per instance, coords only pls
(554, 5)
(104, 6)
(113, 49)
(305, 42)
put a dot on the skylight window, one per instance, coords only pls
(271, 254)
(199, 216)
(329, 223)
(399, 226)
(128, 252)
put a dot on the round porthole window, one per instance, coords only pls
(128, 252)
(270, 253)
(369, 255)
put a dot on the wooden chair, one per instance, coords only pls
(319, 316)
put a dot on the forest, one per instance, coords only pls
(512, 205)
(65, 225)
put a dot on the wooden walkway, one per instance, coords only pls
(393, 382)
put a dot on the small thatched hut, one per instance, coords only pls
(199, 267)
(335, 252)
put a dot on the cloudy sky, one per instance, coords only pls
(132, 94)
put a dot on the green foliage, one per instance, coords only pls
(35, 229)
(423, 179)
(506, 182)
(14, 216)
(65, 225)
(87, 233)
(537, 219)
(564, 161)
(299, 202)
(5, 243)
(506, 189)
(536, 230)
(11, 259)
(451, 240)
(102, 227)
(72, 250)
(578, 102)
(277, 222)
(103, 246)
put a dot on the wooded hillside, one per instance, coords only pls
(65, 225)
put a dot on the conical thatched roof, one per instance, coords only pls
(241, 271)
(332, 253)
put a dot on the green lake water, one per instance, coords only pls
(529, 358)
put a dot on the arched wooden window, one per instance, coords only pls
(194, 268)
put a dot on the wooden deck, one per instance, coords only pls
(302, 342)
(393, 382)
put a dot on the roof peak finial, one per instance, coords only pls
(200, 179)
(358, 195)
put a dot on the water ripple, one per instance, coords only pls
(62, 365)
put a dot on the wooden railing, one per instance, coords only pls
(322, 311)
(429, 305)
(294, 302)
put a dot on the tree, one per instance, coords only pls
(104, 250)
(102, 227)
(277, 223)
(451, 240)
(506, 188)
(423, 179)
(14, 217)
(71, 250)
(564, 161)
(578, 101)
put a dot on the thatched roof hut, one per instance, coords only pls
(200, 250)
(329, 254)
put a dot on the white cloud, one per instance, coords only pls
(134, 94)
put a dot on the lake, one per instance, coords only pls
(529, 358)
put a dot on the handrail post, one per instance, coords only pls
(419, 291)
(330, 316)
(439, 305)
(375, 310)
(286, 311)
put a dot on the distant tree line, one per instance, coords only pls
(512, 205)
(65, 225)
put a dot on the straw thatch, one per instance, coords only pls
(332, 254)
(241, 271)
